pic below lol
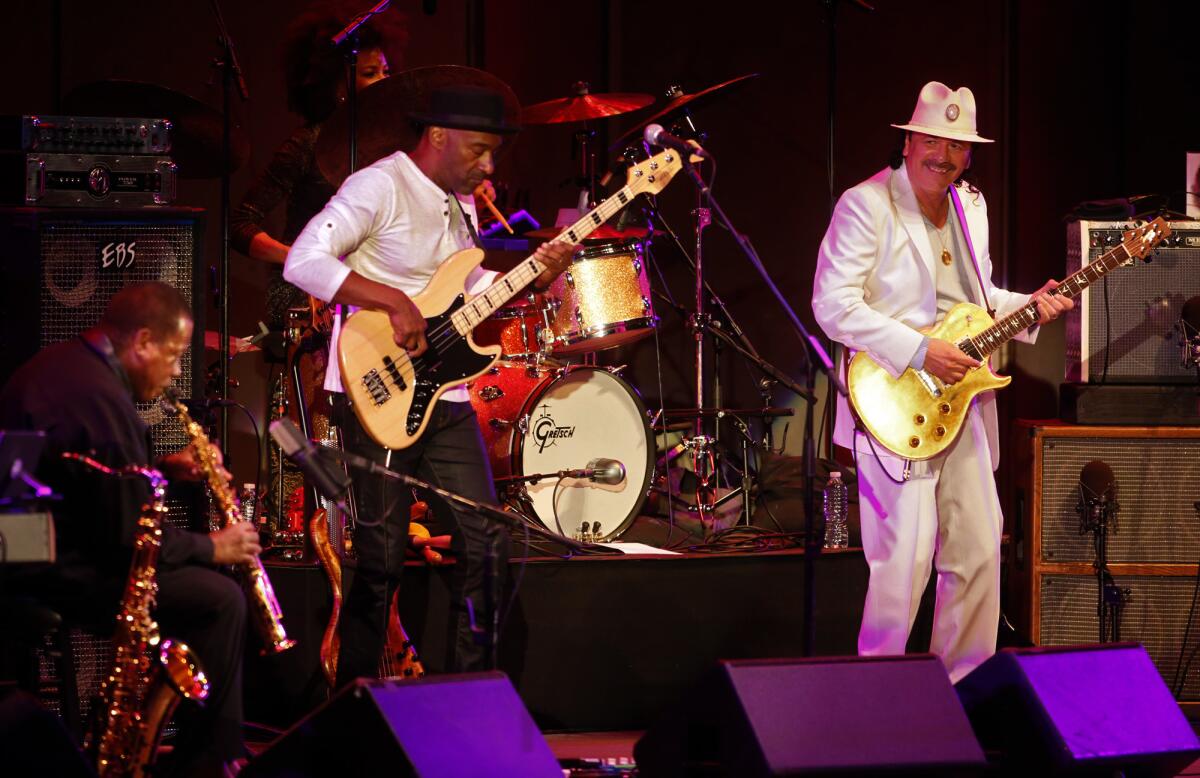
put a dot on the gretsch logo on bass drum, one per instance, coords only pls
(545, 432)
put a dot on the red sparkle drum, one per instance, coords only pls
(517, 328)
(498, 397)
(603, 299)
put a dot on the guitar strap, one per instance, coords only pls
(962, 223)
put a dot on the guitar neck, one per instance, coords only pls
(512, 282)
(1027, 315)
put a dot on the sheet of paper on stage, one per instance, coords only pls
(637, 548)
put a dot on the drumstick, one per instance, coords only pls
(495, 211)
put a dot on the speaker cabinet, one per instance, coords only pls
(1127, 322)
(1153, 547)
(1094, 710)
(816, 716)
(450, 725)
(59, 268)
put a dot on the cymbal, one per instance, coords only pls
(196, 133)
(677, 102)
(384, 126)
(583, 107)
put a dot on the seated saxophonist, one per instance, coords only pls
(81, 393)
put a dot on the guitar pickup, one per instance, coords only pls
(394, 372)
(376, 388)
(929, 382)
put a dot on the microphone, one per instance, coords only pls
(1189, 330)
(331, 482)
(1097, 496)
(655, 135)
(599, 470)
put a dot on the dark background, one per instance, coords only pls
(1086, 100)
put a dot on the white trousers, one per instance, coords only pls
(946, 516)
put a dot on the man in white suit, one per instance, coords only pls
(902, 248)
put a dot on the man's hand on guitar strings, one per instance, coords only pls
(1050, 304)
(556, 256)
(408, 325)
(946, 361)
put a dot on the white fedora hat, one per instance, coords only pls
(945, 112)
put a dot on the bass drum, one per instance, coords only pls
(570, 419)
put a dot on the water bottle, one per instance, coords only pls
(837, 535)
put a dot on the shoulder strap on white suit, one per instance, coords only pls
(962, 222)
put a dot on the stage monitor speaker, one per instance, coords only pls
(1153, 542)
(1100, 709)
(450, 725)
(1128, 321)
(886, 715)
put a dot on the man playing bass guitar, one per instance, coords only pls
(395, 222)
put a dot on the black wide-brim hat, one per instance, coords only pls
(386, 113)
(467, 107)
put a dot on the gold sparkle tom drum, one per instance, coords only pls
(603, 299)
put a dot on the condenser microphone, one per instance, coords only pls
(1096, 481)
(1189, 329)
(599, 470)
(655, 135)
(331, 481)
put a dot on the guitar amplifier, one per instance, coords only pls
(1153, 541)
(86, 180)
(1125, 328)
(85, 134)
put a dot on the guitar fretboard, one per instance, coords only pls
(512, 282)
(1026, 316)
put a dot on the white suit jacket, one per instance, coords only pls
(875, 281)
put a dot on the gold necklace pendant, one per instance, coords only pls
(947, 260)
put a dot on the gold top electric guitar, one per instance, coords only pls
(393, 394)
(917, 416)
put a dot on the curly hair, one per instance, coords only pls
(314, 70)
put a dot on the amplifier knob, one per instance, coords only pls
(99, 181)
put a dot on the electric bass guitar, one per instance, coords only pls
(917, 416)
(392, 394)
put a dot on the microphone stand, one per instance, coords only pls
(230, 71)
(815, 358)
(492, 513)
(1096, 516)
(348, 37)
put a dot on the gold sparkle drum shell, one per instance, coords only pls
(603, 299)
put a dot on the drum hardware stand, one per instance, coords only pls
(816, 358)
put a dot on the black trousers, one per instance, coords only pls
(207, 610)
(450, 455)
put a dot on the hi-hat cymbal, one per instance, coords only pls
(196, 133)
(384, 109)
(677, 101)
(584, 107)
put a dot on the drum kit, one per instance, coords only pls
(544, 419)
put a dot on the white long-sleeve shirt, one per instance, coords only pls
(390, 223)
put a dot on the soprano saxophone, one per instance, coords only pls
(149, 675)
(264, 608)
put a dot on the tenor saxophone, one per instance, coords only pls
(149, 675)
(264, 608)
